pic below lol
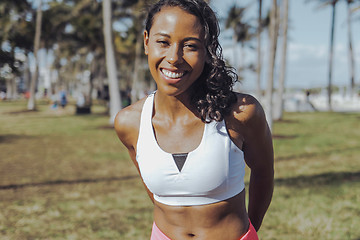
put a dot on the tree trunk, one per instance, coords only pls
(34, 78)
(137, 76)
(331, 54)
(10, 87)
(242, 64)
(351, 51)
(115, 98)
(258, 68)
(27, 72)
(235, 54)
(279, 104)
(273, 35)
(91, 80)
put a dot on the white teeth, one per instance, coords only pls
(170, 74)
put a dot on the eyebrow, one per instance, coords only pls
(185, 39)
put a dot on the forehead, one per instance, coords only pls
(174, 20)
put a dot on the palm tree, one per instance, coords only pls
(115, 98)
(258, 67)
(279, 104)
(31, 102)
(241, 32)
(331, 3)
(351, 51)
(331, 52)
(273, 36)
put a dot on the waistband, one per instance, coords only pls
(157, 234)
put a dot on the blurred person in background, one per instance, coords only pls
(63, 98)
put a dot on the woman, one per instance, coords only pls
(191, 138)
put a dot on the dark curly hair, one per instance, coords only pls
(212, 93)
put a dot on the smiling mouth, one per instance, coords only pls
(172, 75)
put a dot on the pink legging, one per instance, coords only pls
(157, 234)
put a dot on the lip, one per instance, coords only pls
(172, 80)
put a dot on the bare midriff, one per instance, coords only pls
(225, 220)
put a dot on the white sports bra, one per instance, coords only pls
(213, 172)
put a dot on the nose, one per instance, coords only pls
(174, 55)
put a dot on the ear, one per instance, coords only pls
(146, 42)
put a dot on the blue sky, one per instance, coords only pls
(308, 47)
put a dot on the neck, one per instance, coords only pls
(174, 107)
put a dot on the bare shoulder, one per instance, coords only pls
(246, 121)
(248, 111)
(127, 122)
(250, 125)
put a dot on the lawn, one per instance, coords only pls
(64, 176)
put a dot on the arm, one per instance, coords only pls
(250, 132)
(259, 156)
(126, 125)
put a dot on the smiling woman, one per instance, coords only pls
(176, 50)
(191, 139)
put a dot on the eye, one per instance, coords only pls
(162, 43)
(191, 47)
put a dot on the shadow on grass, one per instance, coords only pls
(315, 154)
(105, 127)
(10, 138)
(67, 182)
(331, 178)
(276, 136)
(22, 111)
(287, 121)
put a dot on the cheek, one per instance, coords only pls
(198, 64)
(154, 51)
(155, 56)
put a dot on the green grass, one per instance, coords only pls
(64, 176)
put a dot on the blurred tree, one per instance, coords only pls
(273, 37)
(79, 46)
(279, 104)
(14, 33)
(263, 22)
(138, 78)
(332, 3)
(114, 91)
(34, 78)
(56, 19)
(351, 50)
(258, 36)
(72, 32)
(241, 33)
(129, 46)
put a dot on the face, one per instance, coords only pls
(175, 49)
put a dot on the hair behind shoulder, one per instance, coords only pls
(212, 93)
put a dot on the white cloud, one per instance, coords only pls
(300, 51)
